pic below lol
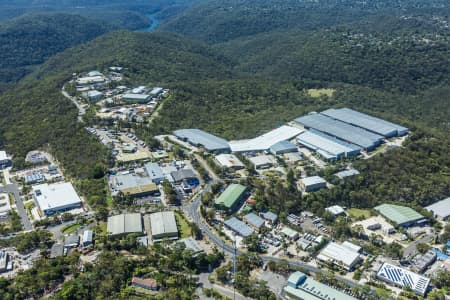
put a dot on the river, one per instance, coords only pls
(152, 26)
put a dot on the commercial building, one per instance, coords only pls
(136, 98)
(191, 244)
(124, 224)
(197, 138)
(163, 226)
(303, 287)
(347, 173)
(56, 198)
(254, 221)
(4, 259)
(185, 175)
(88, 238)
(421, 263)
(370, 123)
(36, 177)
(267, 140)
(148, 284)
(156, 91)
(269, 217)
(327, 146)
(343, 131)
(5, 160)
(239, 227)
(263, 161)
(290, 233)
(135, 185)
(155, 172)
(345, 255)
(441, 209)
(403, 278)
(312, 184)
(336, 210)
(229, 161)
(230, 199)
(94, 95)
(401, 215)
(283, 147)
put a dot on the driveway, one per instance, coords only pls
(13, 189)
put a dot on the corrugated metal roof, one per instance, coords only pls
(183, 174)
(399, 214)
(239, 227)
(313, 180)
(365, 121)
(341, 130)
(441, 208)
(163, 223)
(124, 223)
(347, 173)
(199, 137)
(283, 146)
(339, 253)
(232, 194)
(317, 142)
(154, 171)
(254, 220)
(403, 278)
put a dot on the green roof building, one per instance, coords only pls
(231, 197)
(401, 215)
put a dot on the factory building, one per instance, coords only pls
(345, 255)
(343, 131)
(136, 98)
(283, 147)
(263, 161)
(230, 199)
(163, 226)
(403, 278)
(5, 160)
(347, 173)
(229, 161)
(312, 184)
(254, 221)
(197, 138)
(124, 224)
(56, 198)
(239, 227)
(136, 185)
(441, 209)
(369, 123)
(155, 172)
(401, 215)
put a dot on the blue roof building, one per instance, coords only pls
(239, 227)
(155, 172)
(283, 147)
(254, 221)
(197, 138)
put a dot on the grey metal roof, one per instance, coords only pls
(124, 223)
(362, 120)
(72, 240)
(199, 137)
(330, 146)
(284, 146)
(347, 173)
(313, 180)
(254, 220)
(163, 223)
(441, 208)
(88, 236)
(183, 174)
(270, 216)
(239, 227)
(154, 171)
(126, 181)
(341, 130)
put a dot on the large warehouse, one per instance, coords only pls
(327, 146)
(372, 124)
(199, 138)
(345, 255)
(401, 215)
(440, 209)
(55, 198)
(229, 161)
(164, 226)
(135, 185)
(239, 227)
(124, 224)
(231, 197)
(346, 132)
(267, 140)
(403, 278)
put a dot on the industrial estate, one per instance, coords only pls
(191, 179)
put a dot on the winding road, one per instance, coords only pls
(81, 110)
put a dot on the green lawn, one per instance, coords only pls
(317, 93)
(183, 226)
(71, 228)
(357, 213)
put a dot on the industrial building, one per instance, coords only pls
(136, 185)
(401, 215)
(421, 263)
(347, 173)
(90, 80)
(124, 224)
(191, 244)
(148, 284)
(345, 255)
(403, 278)
(36, 177)
(136, 98)
(269, 217)
(239, 227)
(441, 209)
(370, 123)
(267, 140)
(330, 148)
(343, 131)
(283, 147)
(5, 160)
(156, 91)
(88, 238)
(302, 287)
(56, 198)
(336, 210)
(254, 221)
(4, 259)
(185, 175)
(197, 138)
(71, 241)
(163, 226)
(263, 161)
(94, 95)
(290, 233)
(229, 161)
(155, 172)
(312, 184)
(230, 199)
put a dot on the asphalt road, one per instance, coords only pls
(411, 249)
(13, 189)
(81, 110)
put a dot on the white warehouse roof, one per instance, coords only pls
(229, 161)
(267, 140)
(312, 180)
(340, 254)
(441, 208)
(55, 196)
(124, 223)
(163, 223)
